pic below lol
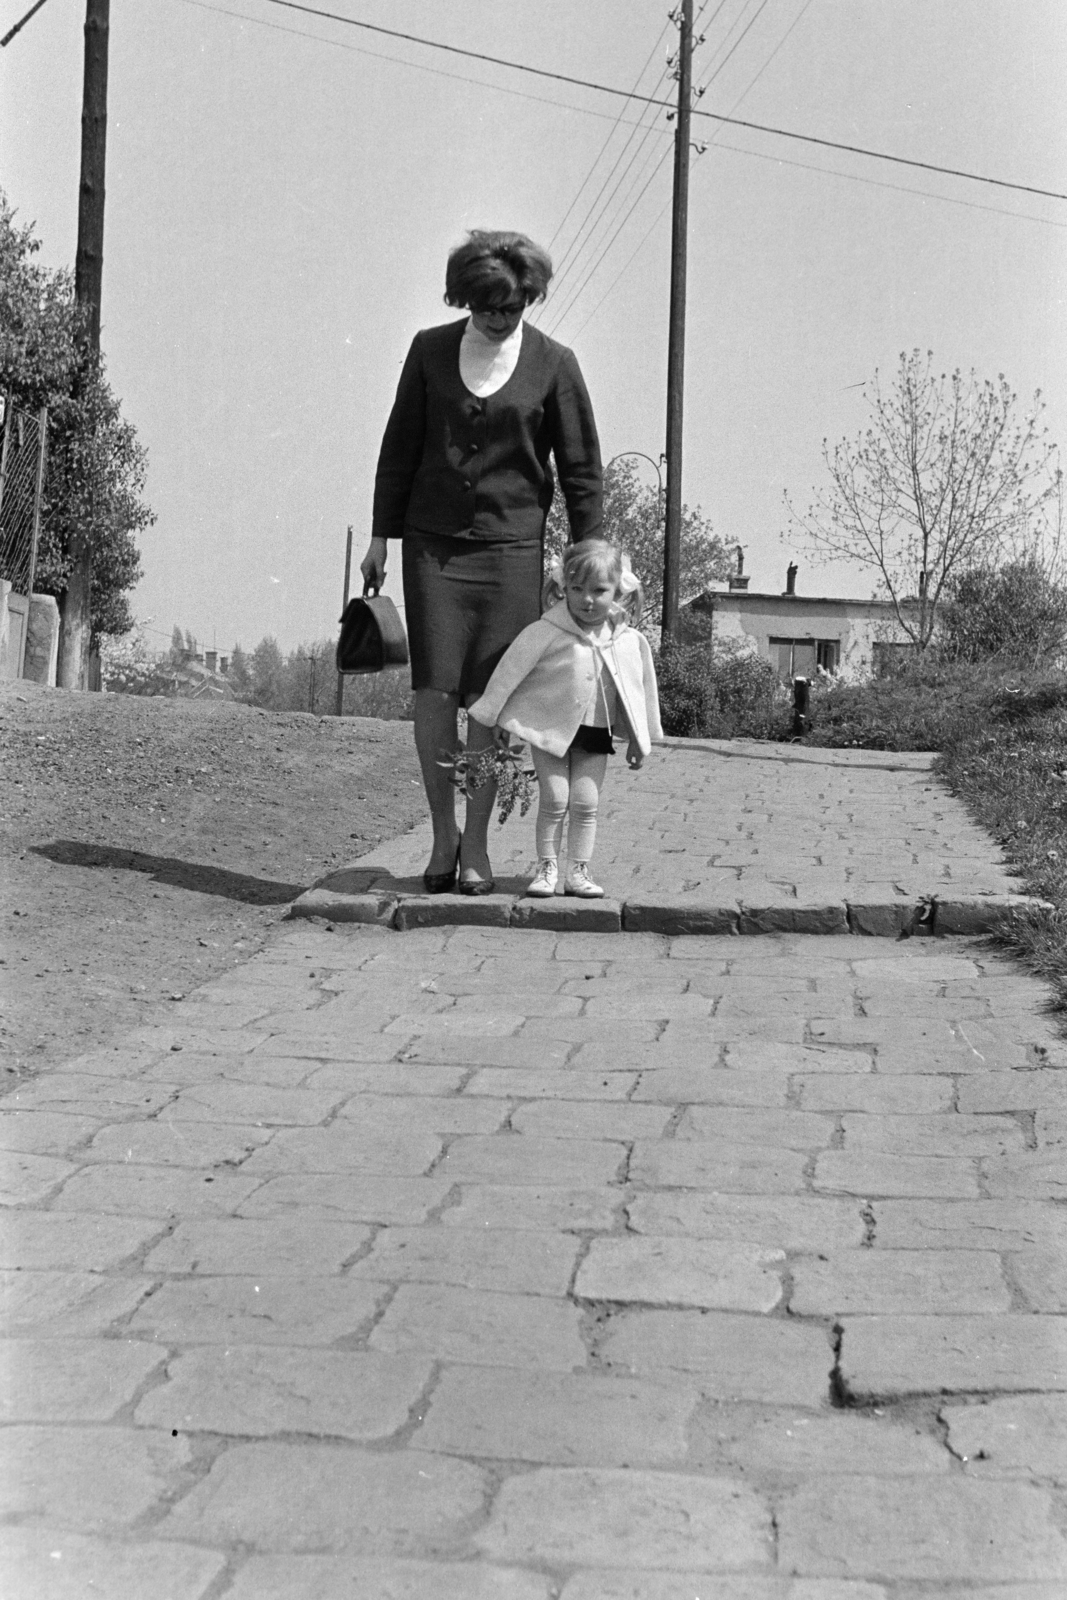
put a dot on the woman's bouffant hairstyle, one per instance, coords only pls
(595, 558)
(489, 269)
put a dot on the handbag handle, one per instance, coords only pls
(372, 589)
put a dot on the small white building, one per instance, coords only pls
(799, 633)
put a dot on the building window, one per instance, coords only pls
(799, 658)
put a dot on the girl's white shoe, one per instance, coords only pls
(580, 883)
(544, 883)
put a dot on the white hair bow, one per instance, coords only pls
(628, 579)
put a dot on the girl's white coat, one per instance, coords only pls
(546, 679)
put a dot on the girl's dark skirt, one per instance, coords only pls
(465, 600)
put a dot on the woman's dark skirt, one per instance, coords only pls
(465, 601)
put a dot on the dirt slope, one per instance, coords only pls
(148, 844)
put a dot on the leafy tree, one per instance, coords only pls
(96, 466)
(1018, 613)
(177, 646)
(633, 520)
(268, 674)
(947, 476)
(240, 674)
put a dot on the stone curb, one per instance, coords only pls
(671, 915)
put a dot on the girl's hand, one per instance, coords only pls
(634, 757)
(373, 564)
(501, 738)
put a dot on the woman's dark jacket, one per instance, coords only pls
(451, 463)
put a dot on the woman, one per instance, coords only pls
(464, 481)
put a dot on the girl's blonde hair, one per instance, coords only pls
(595, 558)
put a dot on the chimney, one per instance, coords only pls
(224, 665)
(791, 578)
(739, 579)
(210, 659)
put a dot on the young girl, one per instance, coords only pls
(564, 685)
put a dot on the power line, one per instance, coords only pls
(626, 94)
(20, 24)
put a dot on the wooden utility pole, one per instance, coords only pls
(672, 543)
(76, 623)
(340, 707)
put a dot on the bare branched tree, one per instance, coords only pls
(947, 476)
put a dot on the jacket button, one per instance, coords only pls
(474, 449)
(466, 483)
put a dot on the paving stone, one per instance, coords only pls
(952, 1135)
(1013, 1091)
(90, 1243)
(524, 1158)
(905, 1094)
(71, 1380)
(510, 1262)
(793, 918)
(392, 1077)
(786, 1130)
(345, 1147)
(539, 1053)
(154, 1191)
(1021, 1437)
(730, 1356)
(1035, 1175)
(797, 1223)
(766, 1055)
(716, 1164)
(256, 1390)
(181, 1144)
(884, 1356)
(489, 1025)
(1041, 1277)
(670, 1271)
(261, 1104)
(87, 1479)
(537, 1209)
(26, 1178)
(48, 1133)
(529, 1083)
(559, 1418)
(786, 1446)
(347, 1195)
(690, 1085)
(481, 1328)
(247, 1310)
(642, 1053)
(342, 1578)
(86, 1095)
(321, 1497)
(65, 1305)
(629, 1584)
(968, 1225)
(386, 1116)
(54, 1564)
(899, 1280)
(877, 1172)
(295, 1245)
(570, 1119)
(851, 1527)
(644, 1519)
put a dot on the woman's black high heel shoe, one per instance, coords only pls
(442, 882)
(479, 885)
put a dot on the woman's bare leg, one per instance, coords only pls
(474, 860)
(436, 739)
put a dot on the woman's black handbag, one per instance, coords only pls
(372, 635)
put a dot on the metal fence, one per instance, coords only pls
(22, 463)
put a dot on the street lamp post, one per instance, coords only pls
(655, 465)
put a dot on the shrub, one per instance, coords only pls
(1018, 614)
(387, 695)
(718, 691)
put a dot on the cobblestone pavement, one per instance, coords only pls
(479, 1264)
(767, 831)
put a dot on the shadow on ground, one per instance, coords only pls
(169, 870)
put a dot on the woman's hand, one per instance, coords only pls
(373, 564)
(501, 737)
(634, 756)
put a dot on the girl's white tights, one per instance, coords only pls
(569, 783)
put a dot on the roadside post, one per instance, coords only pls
(339, 709)
(801, 707)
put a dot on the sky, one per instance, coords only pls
(282, 192)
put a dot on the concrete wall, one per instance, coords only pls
(753, 620)
(36, 619)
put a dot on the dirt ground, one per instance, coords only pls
(147, 844)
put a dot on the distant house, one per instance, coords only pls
(800, 634)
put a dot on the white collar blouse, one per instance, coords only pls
(485, 365)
